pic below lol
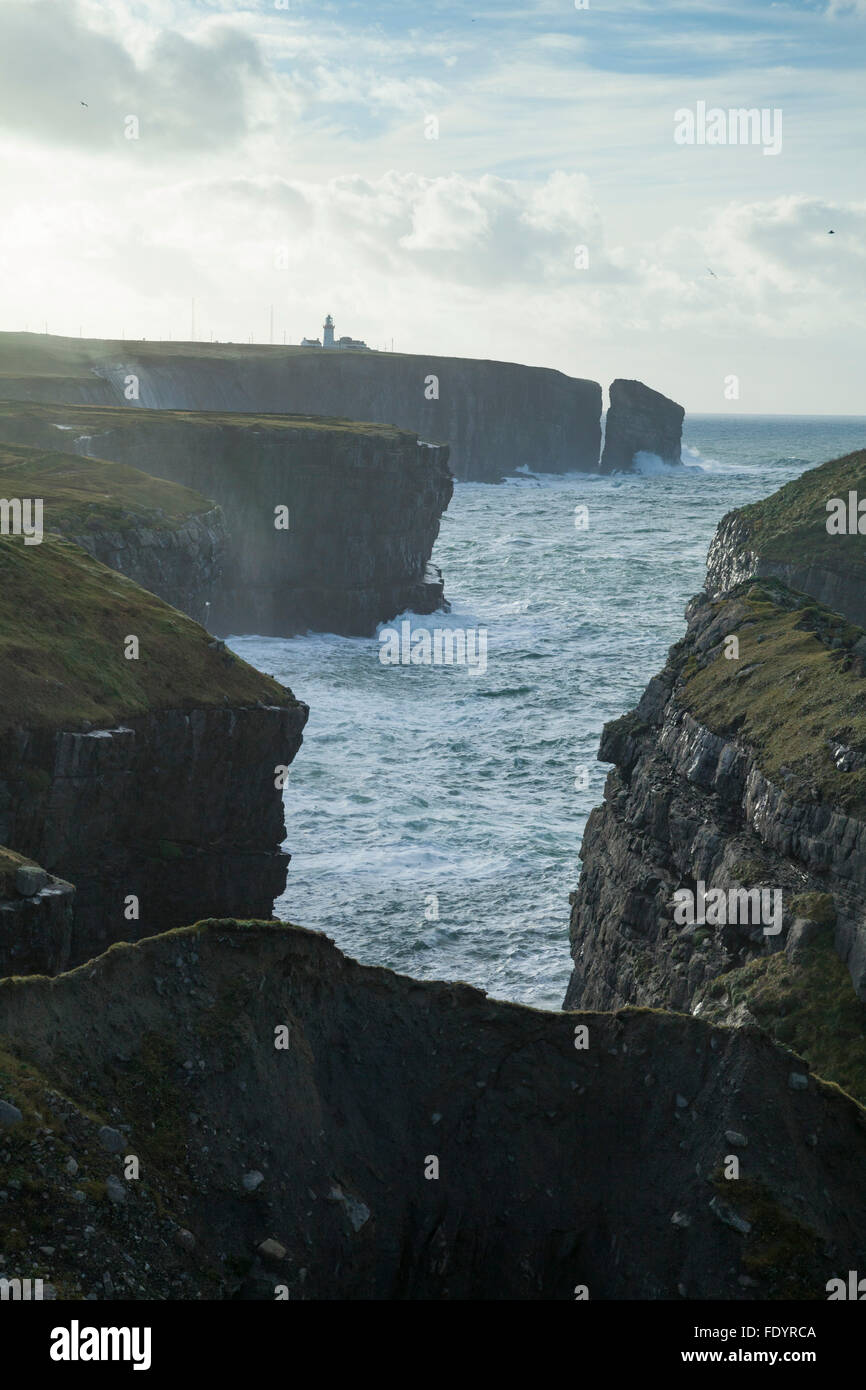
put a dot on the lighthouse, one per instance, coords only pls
(335, 344)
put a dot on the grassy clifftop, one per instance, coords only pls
(40, 354)
(64, 621)
(86, 418)
(796, 691)
(790, 526)
(83, 494)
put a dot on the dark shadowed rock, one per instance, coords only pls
(150, 784)
(640, 420)
(30, 880)
(9, 1114)
(111, 1139)
(35, 916)
(538, 1183)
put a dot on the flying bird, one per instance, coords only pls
(713, 273)
(831, 232)
(83, 103)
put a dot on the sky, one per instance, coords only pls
(485, 180)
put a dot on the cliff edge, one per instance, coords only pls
(244, 1066)
(138, 757)
(811, 534)
(496, 417)
(745, 774)
(330, 524)
(167, 538)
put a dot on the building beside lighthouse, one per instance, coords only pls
(328, 340)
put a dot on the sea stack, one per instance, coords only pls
(640, 420)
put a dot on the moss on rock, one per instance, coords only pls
(792, 692)
(808, 1005)
(790, 526)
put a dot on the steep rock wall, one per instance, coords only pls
(749, 802)
(183, 566)
(786, 537)
(541, 1187)
(495, 416)
(178, 809)
(35, 917)
(640, 420)
(364, 506)
(152, 776)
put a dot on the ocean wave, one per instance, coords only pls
(693, 458)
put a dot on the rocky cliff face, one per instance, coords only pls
(244, 1063)
(249, 1084)
(184, 566)
(640, 421)
(177, 810)
(741, 773)
(148, 781)
(331, 524)
(35, 917)
(495, 416)
(793, 536)
(168, 539)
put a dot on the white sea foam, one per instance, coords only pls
(650, 465)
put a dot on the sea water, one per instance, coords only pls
(435, 812)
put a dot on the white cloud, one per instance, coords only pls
(282, 161)
(65, 83)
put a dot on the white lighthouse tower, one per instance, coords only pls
(335, 344)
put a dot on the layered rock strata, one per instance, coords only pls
(811, 534)
(742, 768)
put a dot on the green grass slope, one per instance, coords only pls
(82, 494)
(93, 418)
(790, 526)
(798, 683)
(807, 1004)
(64, 619)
